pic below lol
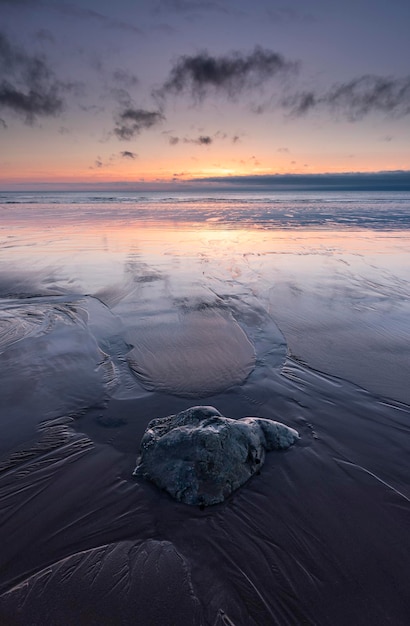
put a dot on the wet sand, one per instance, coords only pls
(105, 326)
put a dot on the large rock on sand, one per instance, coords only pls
(200, 457)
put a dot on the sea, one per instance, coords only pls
(281, 209)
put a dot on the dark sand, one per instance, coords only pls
(309, 329)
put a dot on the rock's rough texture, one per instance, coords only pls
(200, 457)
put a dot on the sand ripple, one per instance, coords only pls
(118, 583)
(191, 354)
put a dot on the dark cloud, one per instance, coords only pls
(202, 74)
(28, 87)
(301, 103)
(126, 154)
(357, 98)
(202, 140)
(32, 103)
(130, 122)
(366, 181)
(2, 123)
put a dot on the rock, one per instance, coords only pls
(200, 457)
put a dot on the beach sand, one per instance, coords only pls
(105, 327)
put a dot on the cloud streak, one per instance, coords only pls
(28, 86)
(202, 74)
(357, 98)
(73, 10)
(202, 140)
(130, 122)
(385, 180)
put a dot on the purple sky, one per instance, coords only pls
(97, 93)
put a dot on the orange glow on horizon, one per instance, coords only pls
(149, 177)
(162, 171)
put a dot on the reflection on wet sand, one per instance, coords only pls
(104, 326)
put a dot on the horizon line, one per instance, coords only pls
(388, 180)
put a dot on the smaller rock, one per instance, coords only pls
(200, 457)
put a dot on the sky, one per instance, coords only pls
(156, 93)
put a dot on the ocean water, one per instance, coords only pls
(281, 209)
(116, 308)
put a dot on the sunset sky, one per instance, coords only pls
(100, 94)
